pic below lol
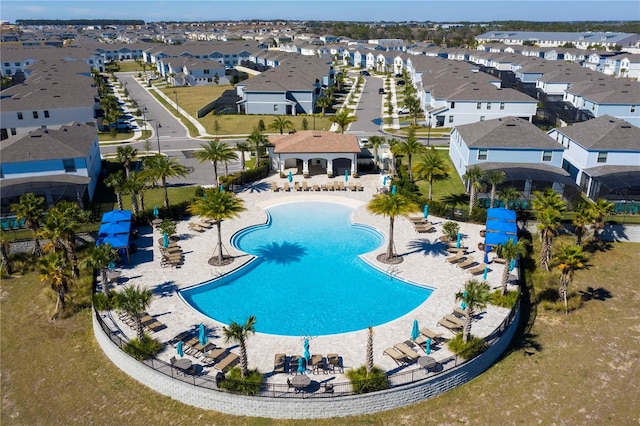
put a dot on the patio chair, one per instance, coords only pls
(341, 186)
(316, 187)
(449, 325)
(467, 263)
(454, 319)
(407, 351)
(214, 355)
(459, 257)
(275, 187)
(304, 186)
(317, 364)
(359, 187)
(293, 364)
(297, 186)
(415, 220)
(477, 270)
(279, 363)
(334, 363)
(396, 355)
(285, 187)
(195, 227)
(425, 334)
(425, 228)
(330, 186)
(227, 362)
(459, 312)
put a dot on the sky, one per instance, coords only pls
(336, 10)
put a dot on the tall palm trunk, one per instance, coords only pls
(141, 200)
(215, 172)
(390, 245)
(430, 188)
(166, 193)
(472, 198)
(370, 350)
(505, 276)
(119, 200)
(244, 362)
(493, 196)
(139, 327)
(105, 281)
(466, 329)
(562, 291)
(4, 252)
(219, 226)
(73, 257)
(134, 204)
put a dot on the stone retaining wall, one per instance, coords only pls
(304, 408)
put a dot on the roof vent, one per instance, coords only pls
(511, 125)
(625, 127)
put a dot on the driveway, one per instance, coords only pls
(369, 110)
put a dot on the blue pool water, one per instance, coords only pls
(307, 278)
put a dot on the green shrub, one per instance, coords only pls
(451, 229)
(144, 349)
(506, 301)
(363, 383)
(249, 385)
(573, 303)
(472, 348)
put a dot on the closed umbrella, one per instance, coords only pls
(458, 240)
(301, 367)
(427, 348)
(393, 190)
(463, 306)
(156, 213)
(179, 349)
(512, 264)
(415, 332)
(290, 176)
(306, 354)
(426, 210)
(384, 181)
(202, 335)
(484, 274)
(165, 240)
(346, 175)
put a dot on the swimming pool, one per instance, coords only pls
(307, 278)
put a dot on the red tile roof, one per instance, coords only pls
(314, 141)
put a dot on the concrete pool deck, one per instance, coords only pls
(424, 263)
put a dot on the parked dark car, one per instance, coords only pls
(400, 83)
(381, 91)
(365, 73)
(398, 75)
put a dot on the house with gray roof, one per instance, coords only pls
(606, 95)
(289, 89)
(187, 71)
(58, 164)
(581, 40)
(528, 157)
(602, 156)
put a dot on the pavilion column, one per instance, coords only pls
(305, 167)
(354, 165)
(329, 167)
(527, 188)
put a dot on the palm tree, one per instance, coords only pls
(548, 226)
(60, 228)
(134, 300)
(30, 209)
(235, 332)
(548, 199)
(243, 147)
(410, 147)
(343, 119)
(475, 296)
(218, 205)
(134, 185)
(124, 155)
(580, 222)
(216, 151)
(509, 251)
(413, 105)
(100, 257)
(369, 364)
(280, 124)
(507, 195)
(117, 182)
(159, 167)
(376, 142)
(454, 200)
(431, 166)
(391, 205)
(569, 259)
(495, 178)
(598, 211)
(324, 102)
(256, 138)
(55, 271)
(473, 176)
(4, 253)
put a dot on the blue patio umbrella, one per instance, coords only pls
(484, 274)
(393, 190)
(290, 176)
(346, 175)
(427, 348)
(512, 264)
(156, 213)
(221, 188)
(486, 257)
(301, 366)
(459, 239)
(463, 306)
(384, 181)
(426, 210)
(415, 332)
(112, 266)
(202, 335)
(165, 240)
(179, 349)
(306, 354)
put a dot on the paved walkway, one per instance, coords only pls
(424, 263)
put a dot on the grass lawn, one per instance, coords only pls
(578, 369)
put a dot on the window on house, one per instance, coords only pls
(17, 64)
(69, 166)
(453, 105)
(479, 105)
(488, 105)
(482, 154)
(602, 157)
(13, 131)
(46, 113)
(275, 107)
(19, 116)
(451, 119)
(7, 64)
(207, 71)
(546, 155)
(35, 114)
(633, 108)
(501, 105)
(482, 118)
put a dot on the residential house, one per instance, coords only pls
(187, 71)
(528, 157)
(58, 164)
(603, 157)
(581, 40)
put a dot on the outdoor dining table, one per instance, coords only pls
(427, 362)
(113, 276)
(301, 381)
(183, 364)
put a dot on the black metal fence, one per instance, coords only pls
(319, 388)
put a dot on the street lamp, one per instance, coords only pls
(429, 130)
(144, 117)
(158, 135)
(175, 92)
